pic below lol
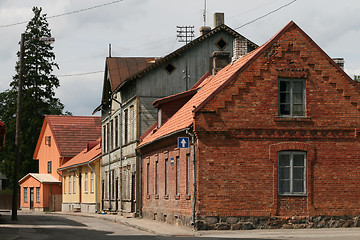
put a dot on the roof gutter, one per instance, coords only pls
(80, 164)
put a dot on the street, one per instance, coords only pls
(38, 225)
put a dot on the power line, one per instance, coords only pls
(68, 13)
(79, 74)
(266, 14)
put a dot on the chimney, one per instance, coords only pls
(220, 60)
(204, 30)
(340, 62)
(218, 19)
(239, 48)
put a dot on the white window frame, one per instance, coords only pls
(291, 97)
(92, 182)
(86, 183)
(25, 194)
(74, 183)
(37, 194)
(291, 179)
(70, 182)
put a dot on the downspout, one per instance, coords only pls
(140, 187)
(120, 145)
(194, 175)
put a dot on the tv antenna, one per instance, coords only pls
(185, 33)
(204, 13)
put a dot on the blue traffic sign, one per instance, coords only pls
(183, 142)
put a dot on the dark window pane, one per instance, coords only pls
(284, 186)
(297, 98)
(284, 173)
(284, 160)
(284, 97)
(298, 159)
(285, 109)
(298, 186)
(297, 87)
(298, 173)
(284, 86)
(298, 110)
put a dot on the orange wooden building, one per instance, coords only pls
(61, 138)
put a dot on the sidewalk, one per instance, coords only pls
(148, 225)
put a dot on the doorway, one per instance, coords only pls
(133, 192)
(31, 198)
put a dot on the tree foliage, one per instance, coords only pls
(357, 78)
(38, 97)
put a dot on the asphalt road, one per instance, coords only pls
(33, 225)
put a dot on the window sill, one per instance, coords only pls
(187, 197)
(292, 195)
(177, 197)
(148, 196)
(292, 119)
(166, 197)
(156, 197)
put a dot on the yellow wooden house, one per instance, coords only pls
(81, 180)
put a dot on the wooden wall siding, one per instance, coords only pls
(148, 114)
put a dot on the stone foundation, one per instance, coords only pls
(168, 218)
(248, 223)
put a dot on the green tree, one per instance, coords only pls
(357, 78)
(38, 97)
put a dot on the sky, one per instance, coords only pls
(147, 28)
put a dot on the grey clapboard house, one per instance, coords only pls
(130, 87)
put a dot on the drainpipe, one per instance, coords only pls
(140, 187)
(194, 175)
(120, 145)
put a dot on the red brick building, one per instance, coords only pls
(275, 134)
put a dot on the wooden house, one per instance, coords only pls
(61, 138)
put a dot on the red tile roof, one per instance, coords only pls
(71, 133)
(121, 68)
(213, 84)
(83, 157)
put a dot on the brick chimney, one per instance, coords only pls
(340, 62)
(239, 48)
(218, 19)
(204, 30)
(220, 60)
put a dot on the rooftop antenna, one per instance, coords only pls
(185, 33)
(204, 13)
(109, 49)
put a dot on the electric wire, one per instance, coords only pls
(64, 14)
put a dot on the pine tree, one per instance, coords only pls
(38, 96)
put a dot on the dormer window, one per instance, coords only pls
(48, 140)
(159, 118)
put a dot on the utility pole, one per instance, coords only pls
(18, 129)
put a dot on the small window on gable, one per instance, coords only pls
(169, 68)
(159, 118)
(48, 140)
(221, 44)
(291, 97)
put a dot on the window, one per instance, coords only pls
(166, 176)
(86, 183)
(111, 135)
(126, 126)
(116, 131)
(92, 182)
(177, 175)
(112, 194)
(148, 179)
(74, 184)
(37, 194)
(156, 178)
(108, 137)
(292, 97)
(69, 184)
(48, 140)
(104, 138)
(221, 44)
(25, 194)
(291, 173)
(64, 184)
(49, 167)
(188, 170)
(132, 123)
(169, 68)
